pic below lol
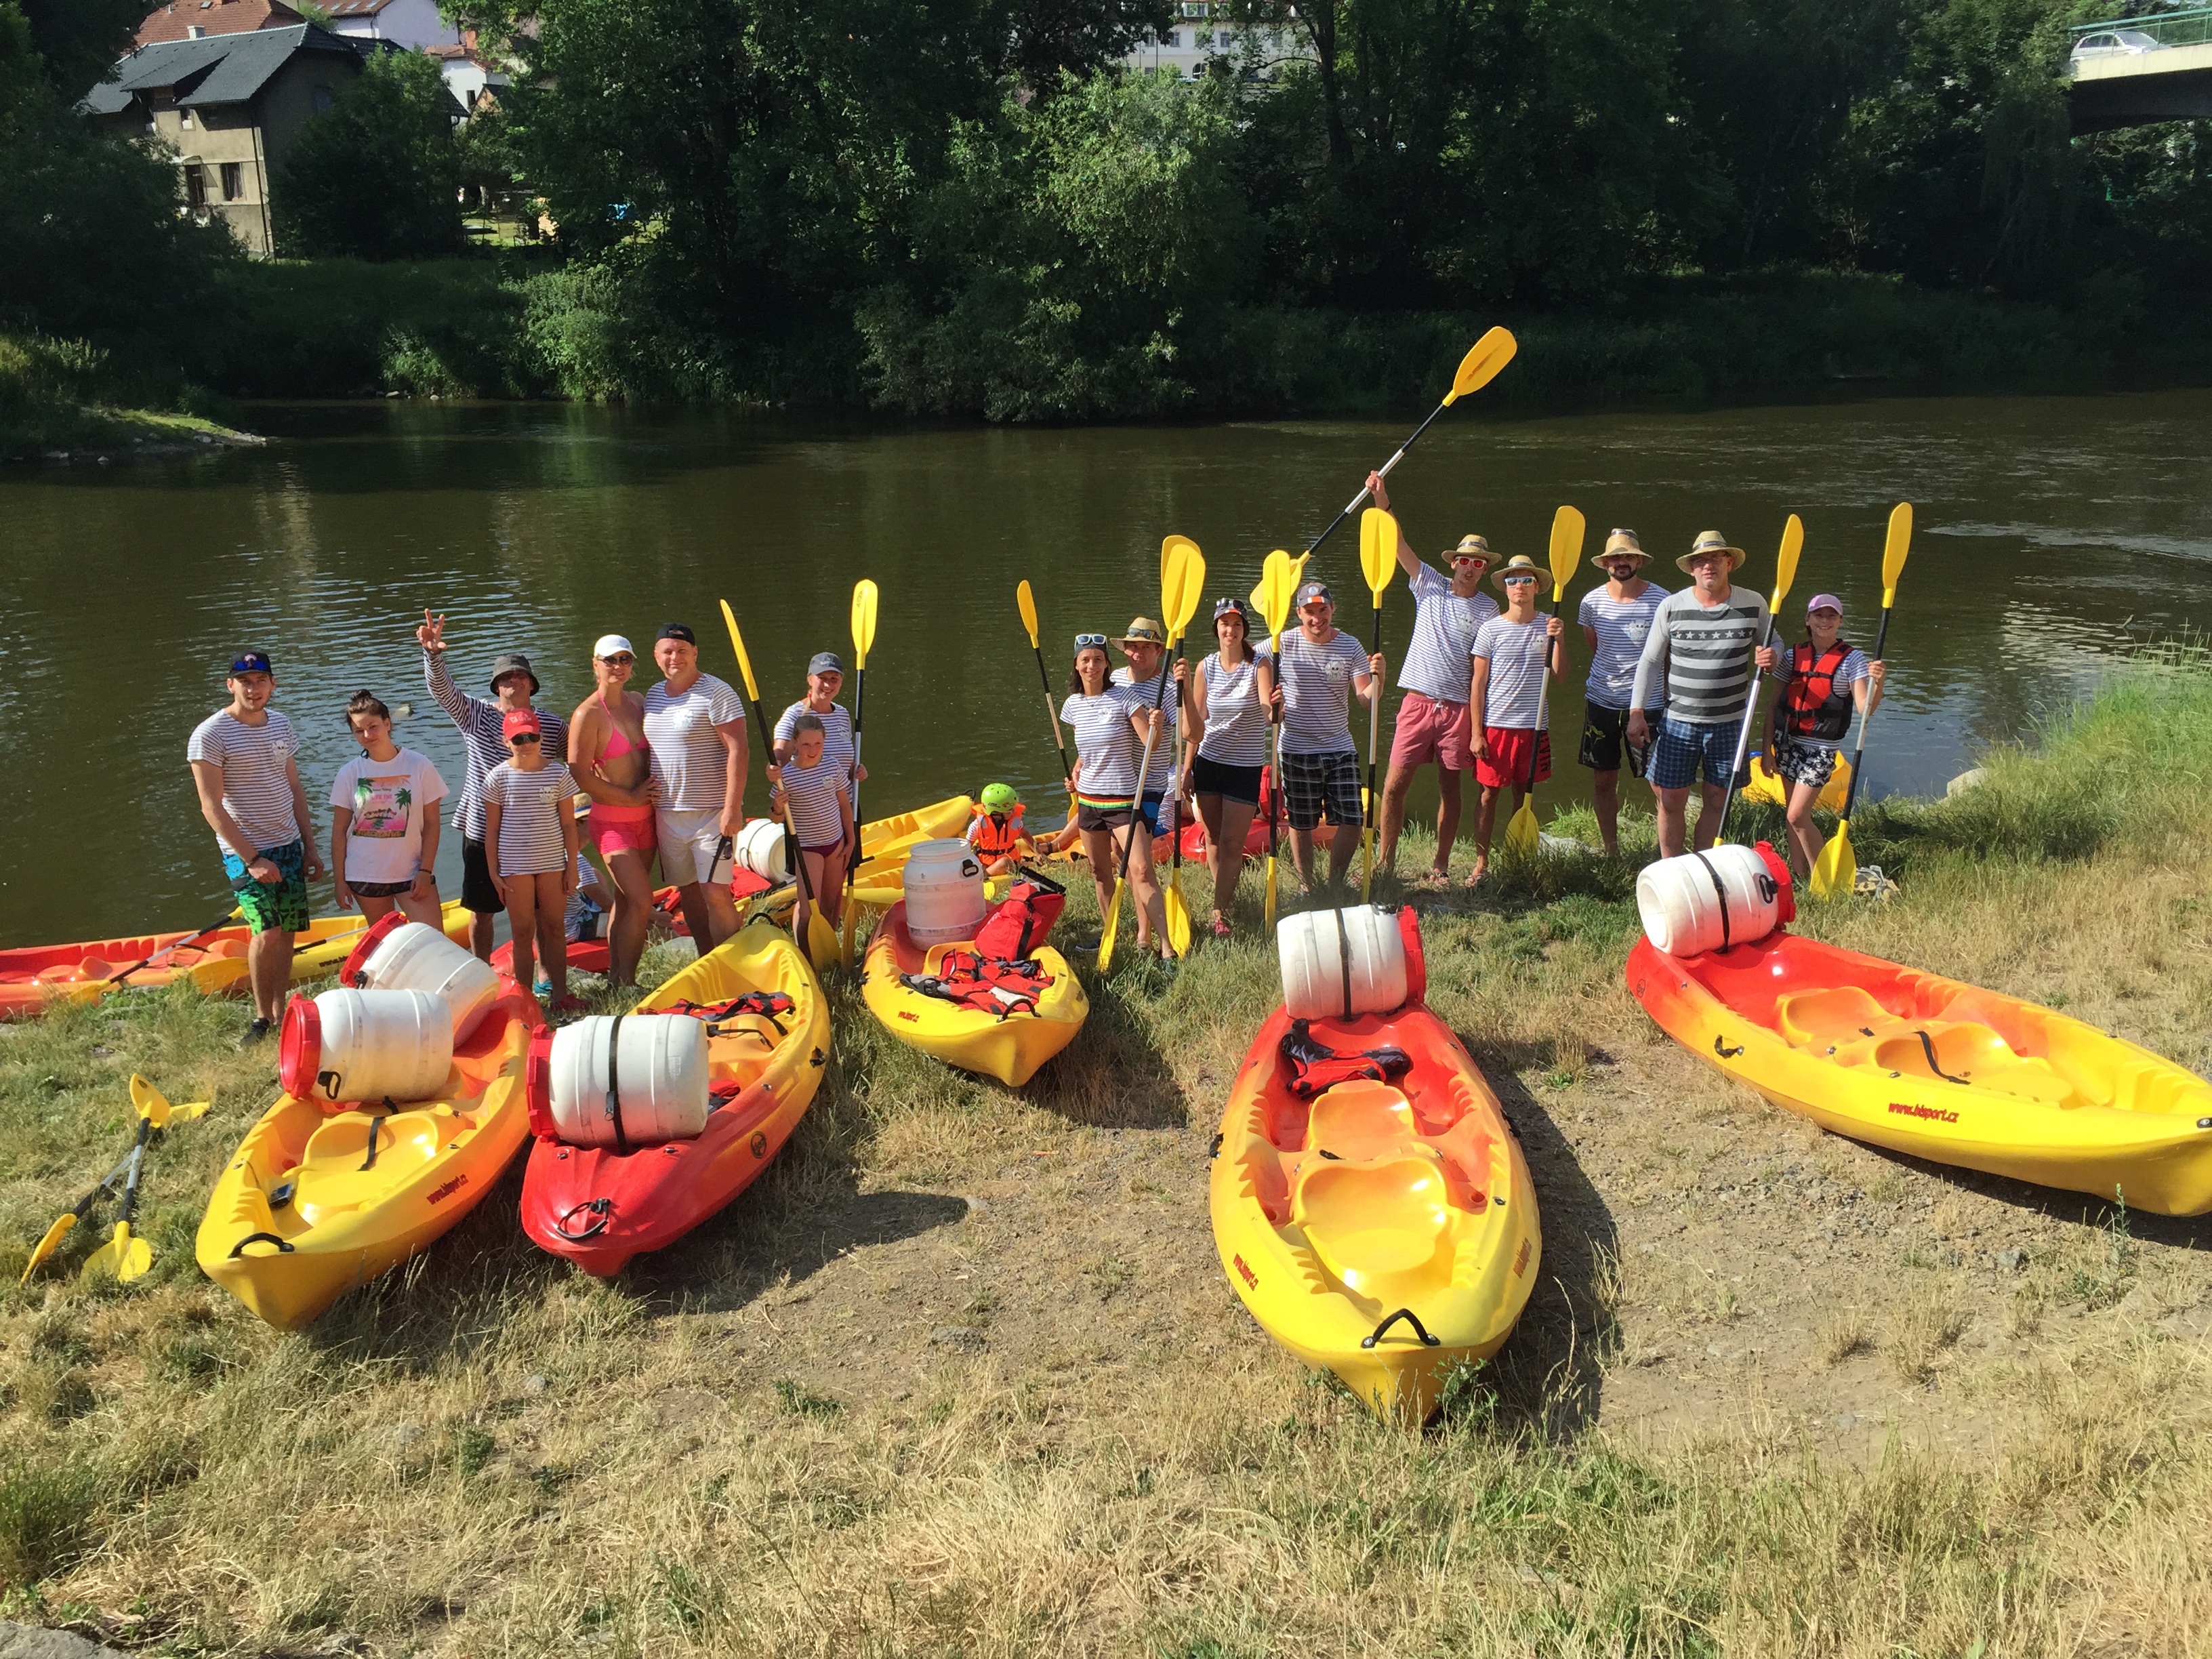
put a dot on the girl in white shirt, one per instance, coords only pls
(384, 823)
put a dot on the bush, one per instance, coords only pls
(375, 176)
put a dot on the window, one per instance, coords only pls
(184, 117)
(1171, 39)
(194, 32)
(322, 100)
(233, 180)
(1225, 41)
(195, 186)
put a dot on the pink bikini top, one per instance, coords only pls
(619, 741)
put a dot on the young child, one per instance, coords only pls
(996, 832)
(818, 788)
(531, 840)
(384, 823)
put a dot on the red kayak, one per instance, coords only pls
(598, 1206)
(1256, 838)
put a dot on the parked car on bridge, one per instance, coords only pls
(2111, 43)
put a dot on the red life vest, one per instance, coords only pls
(987, 985)
(996, 841)
(1818, 707)
(1315, 1065)
(1022, 919)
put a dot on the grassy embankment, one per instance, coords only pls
(962, 1374)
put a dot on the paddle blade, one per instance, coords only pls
(1378, 551)
(1178, 919)
(1113, 926)
(1183, 583)
(1567, 528)
(738, 645)
(109, 1259)
(46, 1246)
(1785, 563)
(1027, 600)
(1278, 579)
(1520, 841)
(864, 620)
(821, 938)
(1270, 910)
(1484, 359)
(137, 1256)
(153, 1105)
(1894, 549)
(1836, 871)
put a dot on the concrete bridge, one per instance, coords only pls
(2135, 71)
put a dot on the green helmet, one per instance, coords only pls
(999, 797)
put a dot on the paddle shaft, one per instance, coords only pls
(1374, 737)
(1543, 697)
(1052, 714)
(860, 703)
(168, 951)
(1381, 472)
(790, 823)
(1743, 733)
(1858, 755)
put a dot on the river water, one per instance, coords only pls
(2051, 531)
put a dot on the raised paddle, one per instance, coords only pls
(1785, 572)
(1836, 871)
(1476, 370)
(1178, 912)
(1378, 557)
(1522, 839)
(864, 635)
(1182, 578)
(1027, 601)
(821, 938)
(1278, 582)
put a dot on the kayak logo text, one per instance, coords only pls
(446, 1191)
(1935, 1114)
(1251, 1279)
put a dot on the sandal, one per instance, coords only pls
(1221, 929)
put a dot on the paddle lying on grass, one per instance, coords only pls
(1836, 871)
(1785, 572)
(1522, 839)
(820, 938)
(122, 1257)
(1278, 582)
(1027, 601)
(1182, 578)
(864, 635)
(1378, 557)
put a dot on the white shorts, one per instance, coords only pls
(689, 842)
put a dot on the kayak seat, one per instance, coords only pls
(1360, 1120)
(1830, 1019)
(1381, 1229)
(1959, 1051)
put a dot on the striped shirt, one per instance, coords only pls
(1236, 720)
(837, 729)
(532, 806)
(1317, 687)
(689, 761)
(257, 790)
(1621, 626)
(1445, 624)
(1515, 652)
(1159, 777)
(480, 722)
(816, 795)
(1106, 744)
(1704, 652)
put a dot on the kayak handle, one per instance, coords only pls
(601, 1210)
(1411, 1318)
(239, 1249)
(1726, 1054)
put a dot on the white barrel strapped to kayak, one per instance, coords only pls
(620, 1080)
(1340, 963)
(399, 955)
(346, 1047)
(944, 892)
(1712, 899)
(760, 849)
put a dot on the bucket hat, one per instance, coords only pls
(513, 663)
(1710, 541)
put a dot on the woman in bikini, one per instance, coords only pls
(607, 744)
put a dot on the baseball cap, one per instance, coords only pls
(520, 720)
(250, 661)
(677, 631)
(608, 645)
(1824, 601)
(825, 662)
(1312, 591)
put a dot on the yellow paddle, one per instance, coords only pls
(1378, 557)
(1522, 838)
(1836, 871)
(864, 635)
(821, 938)
(1785, 572)
(1182, 578)
(122, 1257)
(1278, 582)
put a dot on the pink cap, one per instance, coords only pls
(1824, 601)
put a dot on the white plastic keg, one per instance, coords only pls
(366, 1045)
(412, 956)
(1337, 963)
(661, 1081)
(1703, 900)
(944, 892)
(760, 849)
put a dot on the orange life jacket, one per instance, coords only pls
(992, 840)
(1818, 707)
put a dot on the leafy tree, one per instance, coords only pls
(80, 41)
(376, 175)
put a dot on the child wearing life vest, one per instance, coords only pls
(995, 831)
(1825, 679)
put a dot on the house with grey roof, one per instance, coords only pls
(229, 106)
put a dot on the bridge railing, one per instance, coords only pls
(2169, 28)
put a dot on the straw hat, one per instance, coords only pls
(1710, 541)
(1519, 565)
(1471, 547)
(1624, 542)
(1145, 631)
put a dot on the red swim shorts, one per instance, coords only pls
(1506, 765)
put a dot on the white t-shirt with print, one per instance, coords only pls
(390, 801)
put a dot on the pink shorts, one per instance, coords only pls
(621, 830)
(1427, 730)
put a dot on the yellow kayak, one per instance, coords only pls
(1767, 784)
(314, 1204)
(885, 845)
(1006, 1034)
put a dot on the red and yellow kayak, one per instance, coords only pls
(1937, 1068)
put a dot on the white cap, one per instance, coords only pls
(610, 643)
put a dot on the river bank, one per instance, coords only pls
(961, 1374)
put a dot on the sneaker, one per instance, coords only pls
(255, 1032)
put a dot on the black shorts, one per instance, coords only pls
(477, 894)
(1604, 738)
(1090, 817)
(1237, 783)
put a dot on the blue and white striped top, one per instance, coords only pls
(836, 729)
(816, 794)
(532, 805)
(1105, 743)
(1236, 720)
(1621, 626)
(1318, 681)
(1445, 624)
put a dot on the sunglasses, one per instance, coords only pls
(1089, 642)
(524, 736)
(1515, 581)
(1468, 558)
(620, 659)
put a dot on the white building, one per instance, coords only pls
(1203, 33)
(413, 24)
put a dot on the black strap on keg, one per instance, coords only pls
(613, 1085)
(1720, 892)
(1344, 958)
